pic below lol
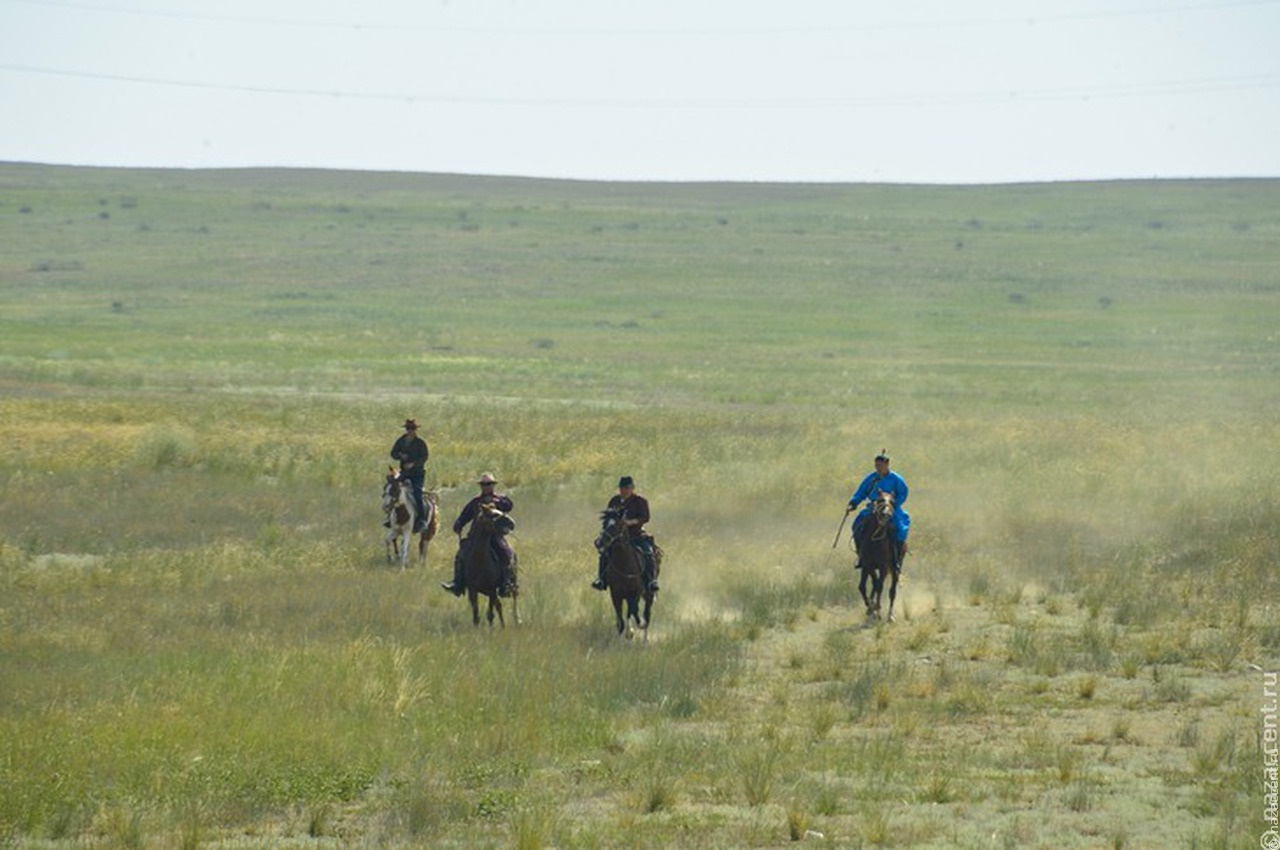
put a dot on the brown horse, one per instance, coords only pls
(878, 557)
(481, 567)
(624, 575)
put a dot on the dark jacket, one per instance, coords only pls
(636, 507)
(499, 500)
(411, 449)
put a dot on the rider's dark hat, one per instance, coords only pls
(884, 455)
(626, 481)
(411, 424)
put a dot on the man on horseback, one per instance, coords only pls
(882, 480)
(411, 450)
(501, 548)
(635, 513)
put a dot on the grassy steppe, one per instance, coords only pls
(201, 374)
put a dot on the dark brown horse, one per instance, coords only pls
(624, 575)
(481, 567)
(878, 557)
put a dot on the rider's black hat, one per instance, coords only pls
(626, 481)
(411, 424)
(884, 455)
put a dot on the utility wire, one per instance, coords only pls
(1081, 93)
(956, 23)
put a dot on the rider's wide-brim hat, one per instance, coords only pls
(410, 424)
(487, 478)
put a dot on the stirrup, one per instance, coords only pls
(599, 584)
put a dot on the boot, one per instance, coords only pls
(458, 586)
(649, 570)
(599, 583)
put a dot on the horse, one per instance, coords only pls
(402, 513)
(878, 557)
(402, 516)
(481, 566)
(624, 574)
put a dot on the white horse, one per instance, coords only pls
(402, 516)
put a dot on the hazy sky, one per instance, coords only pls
(814, 90)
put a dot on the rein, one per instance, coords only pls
(485, 519)
(882, 524)
(616, 531)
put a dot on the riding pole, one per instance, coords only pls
(840, 530)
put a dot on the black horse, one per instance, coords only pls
(624, 573)
(878, 557)
(481, 568)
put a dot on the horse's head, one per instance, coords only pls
(884, 508)
(394, 492)
(611, 525)
(490, 520)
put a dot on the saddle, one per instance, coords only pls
(657, 551)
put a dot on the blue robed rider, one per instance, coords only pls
(887, 481)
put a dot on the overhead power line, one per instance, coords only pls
(1080, 93)
(374, 26)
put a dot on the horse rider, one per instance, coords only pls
(501, 548)
(886, 481)
(635, 513)
(411, 450)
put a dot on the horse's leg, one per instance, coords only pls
(617, 613)
(422, 550)
(862, 589)
(391, 544)
(893, 593)
(633, 615)
(495, 604)
(473, 598)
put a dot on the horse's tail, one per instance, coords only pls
(434, 524)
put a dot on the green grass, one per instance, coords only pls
(202, 373)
